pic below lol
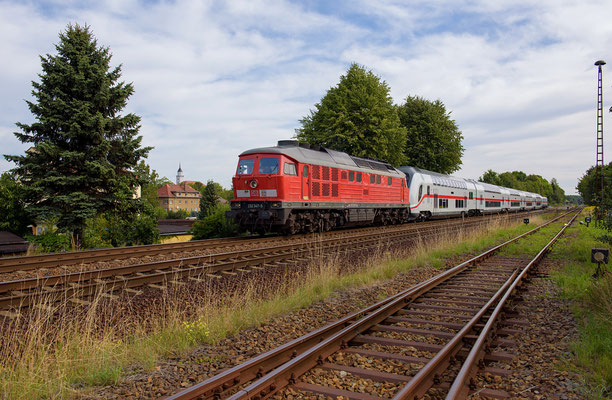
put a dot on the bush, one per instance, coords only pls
(178, 214)
(51, 242)
(214, 225)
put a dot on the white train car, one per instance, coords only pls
(434, 195)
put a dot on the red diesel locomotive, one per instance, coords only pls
(295, 187)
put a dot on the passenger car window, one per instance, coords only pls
(372, 178)
(305, 171)
(246, 166)
(358, 176)
(289, 169)
(268, 166)
(389, 181)
(351, 176)
(378, 179)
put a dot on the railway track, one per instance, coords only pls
(78, 286)
(432, 338)
(26, 263)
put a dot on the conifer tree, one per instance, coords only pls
(83, 150)
(210, 197)
(358, 117)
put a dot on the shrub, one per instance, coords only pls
(178, 214)
(51, 242)
(214, 225)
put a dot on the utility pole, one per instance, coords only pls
(599, 166)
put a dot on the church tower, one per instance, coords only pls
(179, 175)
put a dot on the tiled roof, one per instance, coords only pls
(11, 243)
(169, 189)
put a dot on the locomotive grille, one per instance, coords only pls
(344, 175)
(316, 172)
(335, 189)
(325, 173)
(316, 189)
(335, 174)
(325, 189)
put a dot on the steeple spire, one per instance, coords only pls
(179, 175)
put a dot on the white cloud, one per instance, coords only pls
(215, 78)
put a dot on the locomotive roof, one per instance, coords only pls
(303, 153)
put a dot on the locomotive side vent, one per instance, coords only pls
(335, 174)
(316, 189)
(325, 173)
(316, 172)
(344, 175)
(325, 189)
(335, 189)
(288, 143)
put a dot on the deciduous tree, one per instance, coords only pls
(13, 216)
(357, 116)
(83, 148)
(433, 137)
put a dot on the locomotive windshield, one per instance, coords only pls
(268, 166)
(246, 166)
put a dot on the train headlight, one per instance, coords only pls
(253, 184)
(275, 204)
(235, 204)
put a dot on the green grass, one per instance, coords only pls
(592, 306)
(59, 359)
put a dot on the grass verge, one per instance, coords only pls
(591, 303)
(45, 354)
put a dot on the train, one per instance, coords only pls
(295, 187)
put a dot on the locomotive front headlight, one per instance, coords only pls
(253, 184)
(235, 204)
(275, 204)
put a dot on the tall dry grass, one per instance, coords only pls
(56, 349)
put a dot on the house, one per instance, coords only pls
(179, 196)
(174, 197)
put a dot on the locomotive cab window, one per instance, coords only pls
(268, 166)
(246, 166)
(305, 171)
(289, 169)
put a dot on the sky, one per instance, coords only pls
(215, 78)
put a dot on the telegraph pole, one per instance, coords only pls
(599, 166)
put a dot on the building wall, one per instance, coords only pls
(180, 203)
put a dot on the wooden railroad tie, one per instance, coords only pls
(154, 286)
(8, 314)
(44, 307)
(80, 301)
(229, 273)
